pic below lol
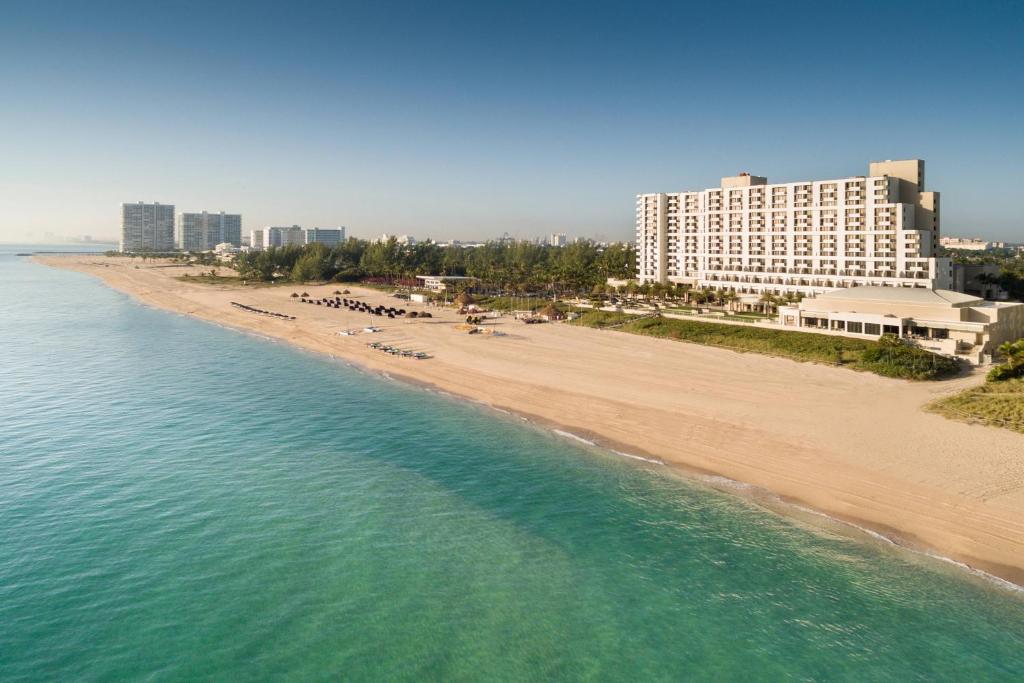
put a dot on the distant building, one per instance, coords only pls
(557, 239)
(284, 236)
(946, 322)
(204, 231)
(147, 227)
(969, 243)
(257, 239)
(328, 236)
(404, 240)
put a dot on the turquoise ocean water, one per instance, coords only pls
(183, 502)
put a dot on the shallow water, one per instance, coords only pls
(181, 501)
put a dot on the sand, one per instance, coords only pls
(850, 445)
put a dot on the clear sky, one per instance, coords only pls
(461, 120)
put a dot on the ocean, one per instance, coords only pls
(180, 501)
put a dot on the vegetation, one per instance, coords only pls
(1011, 267)
(1000, 404)
(204, 258)
(1013, 353)
(888, 357)
(512, 267)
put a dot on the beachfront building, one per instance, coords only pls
(939, 320)
(329, 236)
(204, 231)
(805, 237)
(147, 227)
(557, 239)
(440, 283)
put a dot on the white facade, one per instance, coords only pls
(147, 227)
(204, 231)
(942, 321)
(328, 236)
(439, 283)
(557, 239)
(805, 237)
(970, 243)
(404, 240)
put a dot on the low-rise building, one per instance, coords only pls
(939, 320)
(440, 283)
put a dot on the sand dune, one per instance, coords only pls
(854, 446)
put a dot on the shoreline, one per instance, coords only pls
(791, 509)
(1002, 565)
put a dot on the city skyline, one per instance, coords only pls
(462, 122)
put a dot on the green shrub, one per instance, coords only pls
(889, 356)
(1001, 373)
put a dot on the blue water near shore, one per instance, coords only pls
(180, 501)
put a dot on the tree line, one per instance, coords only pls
(500, 266)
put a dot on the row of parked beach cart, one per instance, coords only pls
(395, 351)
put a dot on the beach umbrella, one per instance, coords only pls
(294, 295)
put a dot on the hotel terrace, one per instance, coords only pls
(805, 237)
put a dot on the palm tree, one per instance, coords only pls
(1013, 352)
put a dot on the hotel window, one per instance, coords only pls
(856, 328)
(872, 328)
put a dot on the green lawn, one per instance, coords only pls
(859, 354)
(1000, 404)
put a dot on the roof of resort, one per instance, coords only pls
(904, 295)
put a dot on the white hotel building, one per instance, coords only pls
(204, 231)
(147, 227)
(804, 237)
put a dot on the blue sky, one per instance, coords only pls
(459, 120)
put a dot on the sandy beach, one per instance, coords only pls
(851, 445)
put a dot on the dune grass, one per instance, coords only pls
(890, 360)
(1000, 404)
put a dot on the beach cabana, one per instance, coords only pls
(549, 313)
